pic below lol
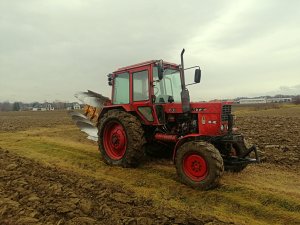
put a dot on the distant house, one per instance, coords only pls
(76, 105)
(39, 108)
(73, 106)
(49, 107)
(43, 107)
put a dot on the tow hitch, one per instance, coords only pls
(242, 159)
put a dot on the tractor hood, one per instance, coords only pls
(199, 107)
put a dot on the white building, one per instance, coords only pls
(275, 100)
(76, 105)
(43, 107)
(253, 100)
(39, 109)
(49, 107)
(263, 100)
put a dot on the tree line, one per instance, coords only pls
(59, 105)
(21, 106)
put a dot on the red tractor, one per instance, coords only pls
(150, 109)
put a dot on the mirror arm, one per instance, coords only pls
(193, 67)
(190, 84)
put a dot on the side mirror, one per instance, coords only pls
(160, 69)
(197, 76)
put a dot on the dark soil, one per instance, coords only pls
(32, 193)
(276, 133)
(18, 121)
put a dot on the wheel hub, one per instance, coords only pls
(118, 139)
(195, 167)
(115, 140)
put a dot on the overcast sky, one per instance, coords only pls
(50, 49)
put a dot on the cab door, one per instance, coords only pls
(140, 94)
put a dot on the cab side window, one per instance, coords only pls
(121, 89)
(140, 86)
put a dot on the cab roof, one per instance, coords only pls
(145, 64)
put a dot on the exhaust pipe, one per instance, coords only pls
(185, 95)
(182, 71)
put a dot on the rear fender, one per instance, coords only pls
(125, 108)
(105, 109)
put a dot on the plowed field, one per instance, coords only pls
(276, 132)
(32, 193)
(51, 174)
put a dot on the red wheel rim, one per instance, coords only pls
(115, 140)
(194, 166)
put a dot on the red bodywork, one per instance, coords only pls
(208, 115)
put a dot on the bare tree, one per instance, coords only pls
(5, 106)
(297, 100)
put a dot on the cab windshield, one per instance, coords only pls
(167, 88)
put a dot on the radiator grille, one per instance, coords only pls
(226, 110)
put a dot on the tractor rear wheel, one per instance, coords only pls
(121, 139)
(199, 165)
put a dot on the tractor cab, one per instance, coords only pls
(150, 109)
(144, 89)
(149, 88)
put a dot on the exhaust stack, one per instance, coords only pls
(185, 95)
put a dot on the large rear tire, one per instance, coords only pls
(199, 165)
(121, 139)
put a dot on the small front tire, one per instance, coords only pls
(199, 165)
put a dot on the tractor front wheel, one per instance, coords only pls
(199, 165)
(121, 139)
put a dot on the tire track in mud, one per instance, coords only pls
(33, 193)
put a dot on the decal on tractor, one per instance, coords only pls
(198, 109)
